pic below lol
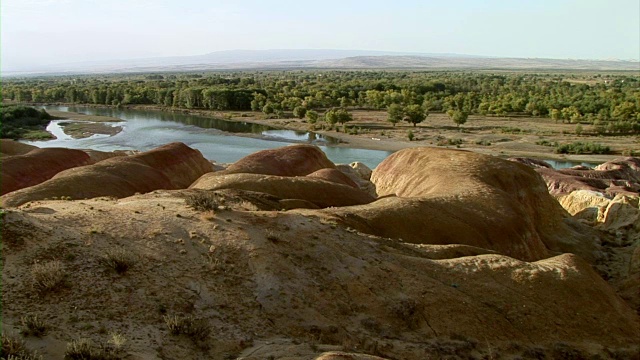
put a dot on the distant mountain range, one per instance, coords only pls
(323, 59)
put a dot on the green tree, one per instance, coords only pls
(312, 116)
(414, 114)
(299, 112)
(556, 115)
(268, 108)
(459, 117)
(394, 113)
(338, 115)
(258, 102)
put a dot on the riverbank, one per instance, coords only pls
(497, 136)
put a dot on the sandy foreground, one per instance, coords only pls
(497, 136)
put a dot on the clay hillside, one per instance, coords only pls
(434, 254)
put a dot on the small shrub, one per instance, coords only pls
(118, 340)
(15, 348)
(79, 349)
(483, 142)
(84, 349)
(204, 202)
(410, 135)
(447, 142)
(565, 351)
(546, 143)
(407, 310)
(272, 236)
(47, 276)
(32, 326)
(118, 259)
(195, 329)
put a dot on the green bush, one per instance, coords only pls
(582, 148)
(16, 120)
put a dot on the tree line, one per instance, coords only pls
(609, 101)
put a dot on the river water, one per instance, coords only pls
(219, 140)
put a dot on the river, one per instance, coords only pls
(219, 140)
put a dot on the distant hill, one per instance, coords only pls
(322, 58)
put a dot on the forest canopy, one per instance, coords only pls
(609, 101)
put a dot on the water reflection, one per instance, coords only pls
(147, 129)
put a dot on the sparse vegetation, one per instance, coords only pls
(406, 310)
(449, 142)
(33, 326)
(196, 329)
(118, 259)
(14, 348)
(205, 202)
(272, 236)
(410, 135)
(47, 276)
(545, 142)
(582, 148)
(85, 349)
(483, 143)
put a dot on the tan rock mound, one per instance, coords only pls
(361, 169)
(586, 205)
(441, 196)
(333, 175)
(10, 147)
(534, 163)
(172, 166)
(620, 176)
(294, 160)
(602, 211)
(360, 177)
(317, 191)
(97, 156)
(36, 166)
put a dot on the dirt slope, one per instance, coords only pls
(267, 281)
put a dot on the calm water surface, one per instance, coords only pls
(215, 138)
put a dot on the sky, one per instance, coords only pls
(42, 32)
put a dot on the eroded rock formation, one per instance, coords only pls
(441, 196)
(172, 166)
(620, 176)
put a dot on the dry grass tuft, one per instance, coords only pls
(47, 276)
(196, 329)
(32, 326)
(205, 202)
(14, 348)
(119, 260)
(84, 349)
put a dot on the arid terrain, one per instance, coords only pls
(437, 253)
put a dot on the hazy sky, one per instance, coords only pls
(38, 32)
